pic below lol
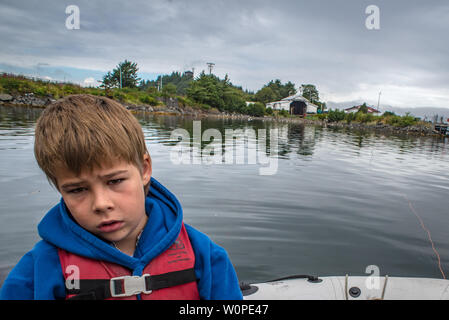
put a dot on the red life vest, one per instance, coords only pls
(169, 276)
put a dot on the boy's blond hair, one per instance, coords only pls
(83, 131)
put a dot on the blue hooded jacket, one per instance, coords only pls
(38, 275)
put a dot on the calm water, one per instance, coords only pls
(339, 201)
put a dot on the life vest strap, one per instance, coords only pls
(101, 289)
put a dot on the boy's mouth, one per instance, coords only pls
(110, 225)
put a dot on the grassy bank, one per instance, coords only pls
(19, 85)
(388, 118)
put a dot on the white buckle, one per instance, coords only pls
(132, 285)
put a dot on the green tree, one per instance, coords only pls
(256, 109)
(181, 82)
(126, 71)
(129, 74)
(275, 90)
(363, 108)
(210, 90)
(287, 89)
(169, 89)
(234, 100)
(388, 113)
(207, 90)
(310, 92)
(336, 115)
(349, 117)
(108, 81)
(266, 94)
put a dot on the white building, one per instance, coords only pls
(295, 104)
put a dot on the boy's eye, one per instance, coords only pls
(76, 190)
(115, 181)
(81, 189)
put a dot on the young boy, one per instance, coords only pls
(117, 233)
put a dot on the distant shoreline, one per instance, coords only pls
(172, 107)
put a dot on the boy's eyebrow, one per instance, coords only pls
(109, 175)
(106, 176)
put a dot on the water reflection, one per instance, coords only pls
(294, 138)
(18, 117)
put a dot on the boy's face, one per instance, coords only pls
(108, 201)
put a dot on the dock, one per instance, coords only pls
(442, 128)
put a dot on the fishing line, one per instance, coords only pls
(421, 222)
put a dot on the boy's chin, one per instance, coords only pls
(112, 237)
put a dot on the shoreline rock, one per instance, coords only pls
(28, 99)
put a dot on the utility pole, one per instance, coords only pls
(120, 68)
(378, 101)
(210, 66)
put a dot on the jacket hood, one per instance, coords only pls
(162, 229)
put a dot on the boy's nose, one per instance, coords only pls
(102, 202)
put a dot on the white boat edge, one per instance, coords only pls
(352, 288)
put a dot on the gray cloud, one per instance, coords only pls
(254, 41)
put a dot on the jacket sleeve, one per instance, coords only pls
(217, 279)
(19, 283)
(37, 276)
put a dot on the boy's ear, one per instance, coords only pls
(147, 169)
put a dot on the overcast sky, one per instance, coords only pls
(325, 43)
